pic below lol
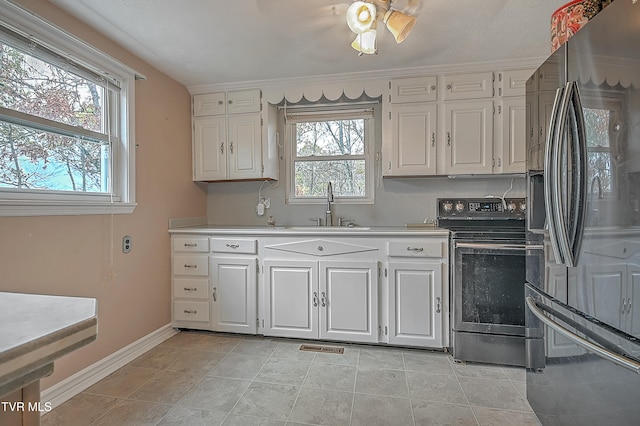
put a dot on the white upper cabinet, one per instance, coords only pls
(468, 86)
(231, 140)
(414, 89)
(469, 137)
(413, 147)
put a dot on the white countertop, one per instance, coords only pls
(37, 329)
(362, 231)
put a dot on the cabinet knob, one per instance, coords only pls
(448, 87)
(220, 102)
(433, 87)
(320, 248)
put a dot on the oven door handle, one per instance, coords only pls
(493, 246)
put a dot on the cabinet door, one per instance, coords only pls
(243, 101)
(209, 148)
(349, 301)
(469, 137)
(209, 104)
(511, 147)
(468, 86)
(233, 295)
(415, 304)
(413, 150)
(413, 89)
(513, 82)
(291, 298)
(245, 149)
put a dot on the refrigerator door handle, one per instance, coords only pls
(597, 349)
(579, 158)
(550, 174)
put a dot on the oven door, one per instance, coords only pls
(488, 287)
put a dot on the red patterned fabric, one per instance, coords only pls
(567, 20)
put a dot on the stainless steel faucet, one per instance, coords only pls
(328, 221)
(595, 218)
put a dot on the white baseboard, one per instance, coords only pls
(73, 385)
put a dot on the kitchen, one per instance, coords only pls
(82, 256)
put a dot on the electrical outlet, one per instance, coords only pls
(126, 244)
(266, 201)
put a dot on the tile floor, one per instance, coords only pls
(199, 378)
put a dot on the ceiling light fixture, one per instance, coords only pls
(362, 17)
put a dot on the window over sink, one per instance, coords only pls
(330, 145)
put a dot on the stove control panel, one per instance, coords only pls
(482, 208)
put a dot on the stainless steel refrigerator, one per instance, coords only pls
(583, 226)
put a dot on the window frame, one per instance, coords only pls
(121, 198)
(330, 113)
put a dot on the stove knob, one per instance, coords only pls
(522, 206)
(459, 206)
(447, 206)
(511, 207)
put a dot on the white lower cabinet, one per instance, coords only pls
(233, 294)
(415, 304)
(321, 299)
(190, 282)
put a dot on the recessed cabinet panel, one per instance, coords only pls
(511, 154)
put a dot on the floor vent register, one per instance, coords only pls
(323, 349)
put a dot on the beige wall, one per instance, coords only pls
(81, 255)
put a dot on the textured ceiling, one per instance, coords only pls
(202, 42)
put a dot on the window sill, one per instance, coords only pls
(62, 208)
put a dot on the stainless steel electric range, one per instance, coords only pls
(487, 273)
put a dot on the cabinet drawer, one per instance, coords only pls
(197, 266)
(191, 244)
(234, 245)
(416, 248)
(195, 288)
(209, 104)
(191, 311)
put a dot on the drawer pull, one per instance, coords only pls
(215, 295)
(437, 305)
(191, 244)
(233, 246)
(186, 265)
(417, 249)
(315, 298)
(189, 312)
(190, 289)
(324, 299)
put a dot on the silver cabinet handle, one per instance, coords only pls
(187, 311)
(221, 147)
(231, 147)
(433, 140)
(324, 299)
(315, 298)
(597, 349)
(191, 244)
(215, 296)
(416, 249)
(448, 138)
(629, 305)
(186, 265)
(233, 246)
(190, 289)
(437, 305)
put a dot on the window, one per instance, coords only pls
(331, 146)
(64, 130)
